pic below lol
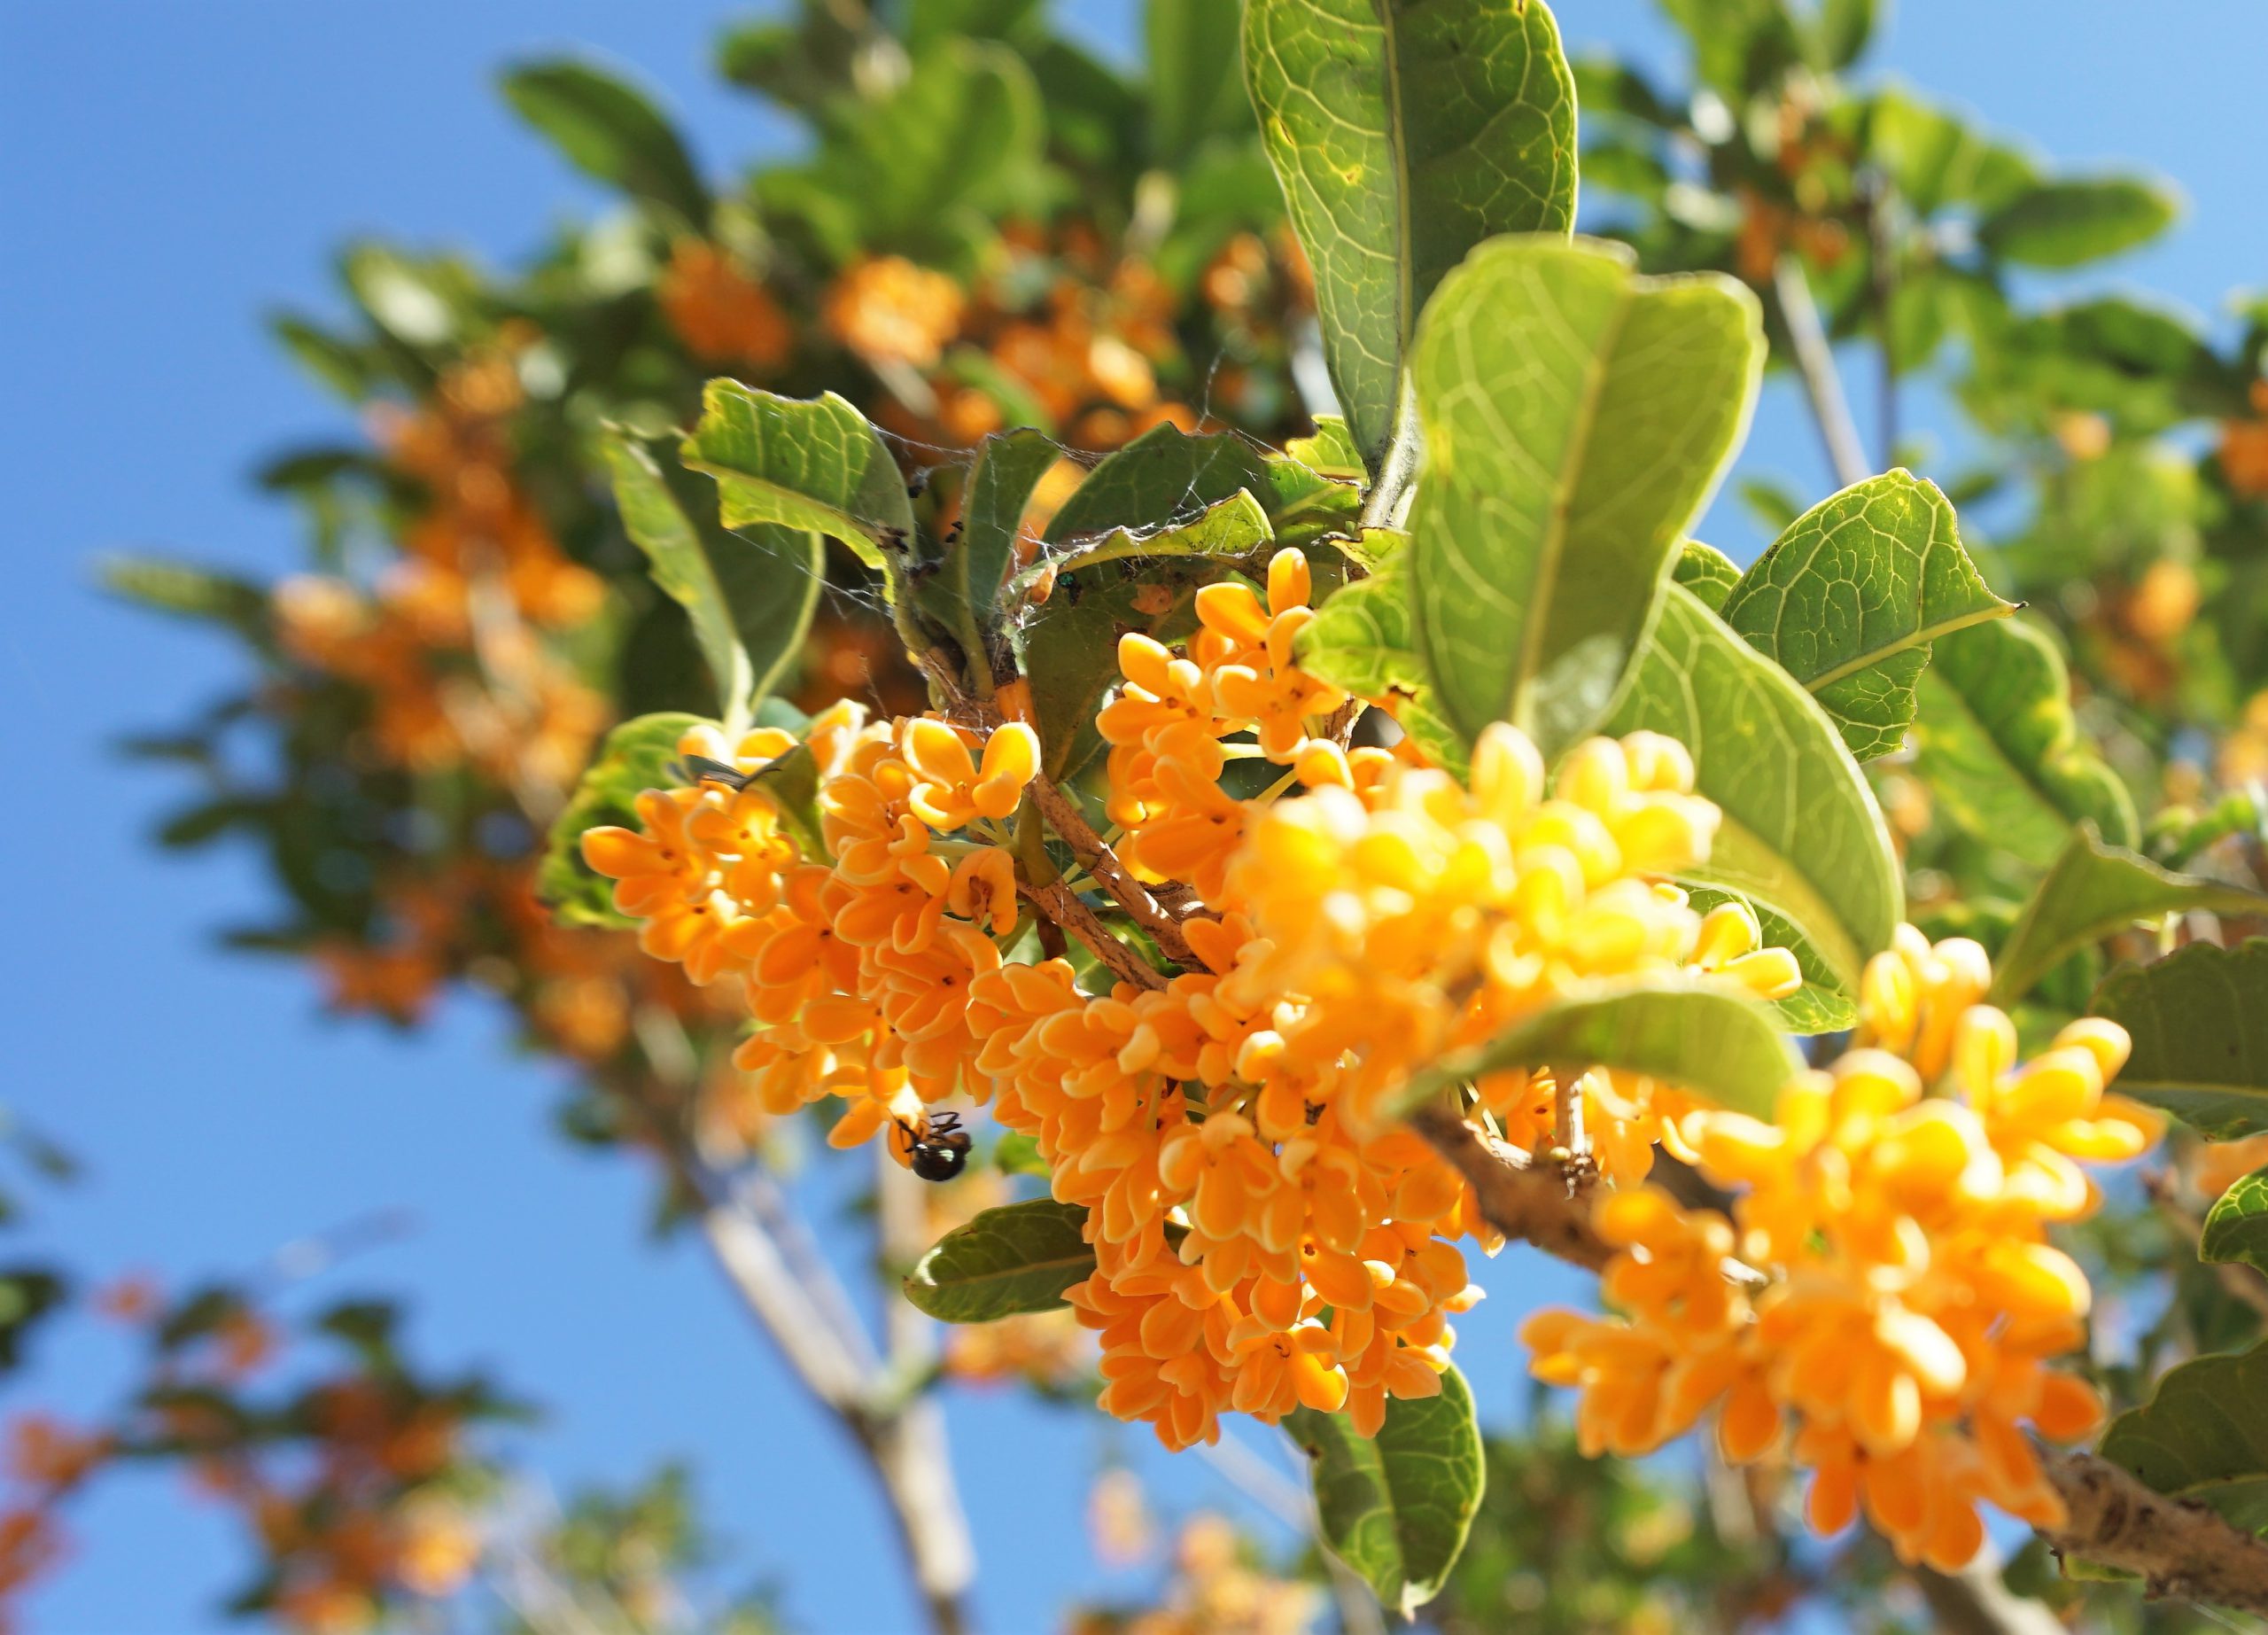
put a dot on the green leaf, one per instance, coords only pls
(1935, 160)
(2201, 1436)
(1196, 91)
(1397, 1507)
(189, 592)
(750, 598)
(1331, 451)
(423, 303)
(812, 465)
(1739, 46)
(1404, 132)
(964, 593)
(1162, 477)
(1363, 639)
(609, 129)
(1237, 527)
(2236, 1227)
(1843, 28)
(1706, 572)
(2069, 223)
(1801, 836)
(932, 23)
(2199, 1020)
(1850, 597)
(2092, 891)
(921, 169)
(635, 757)
(1997, 742)
(1707, 1036)
(1822, 1005)
(791, 782)
(1576, 418)
(1020, 1257)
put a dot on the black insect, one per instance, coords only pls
(1071, 588)
(941, 1151)
(918, 485)
(702, 770)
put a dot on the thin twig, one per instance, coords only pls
(1061, 905)
(1064, 817)
(1815, 366)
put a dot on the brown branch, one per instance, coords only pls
(1061, 904)
(1063, 815)
(2176, 1547)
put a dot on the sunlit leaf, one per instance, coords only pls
(1702, 1036)
(1364, 638)
(1850, 597)
(1405, 133)
(1396, 1508)
(1577, 417)
(813, 465)
(1706, 572)
(1998, 744)
(2236, 1227)
(1801, 835)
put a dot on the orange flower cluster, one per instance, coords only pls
(1265, 1235)
(448, 643)
(1911, 1303)
(2244, 448)
(1216, 1589)
(721, 314)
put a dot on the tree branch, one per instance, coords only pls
(1064, 817)
(1815, 368)
(1059, 903)
(2176, 1547)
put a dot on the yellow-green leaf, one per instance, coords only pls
(2199, 1019)
(1576, 418)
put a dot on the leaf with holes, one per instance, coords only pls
(1576, 417)
(2200, 1435)
(636, 757)
(812, 465)
(2199, 1019)
(1397, 1507)
(1850, 596)
(2093, 891)
(1706, 1037)
(750, 596)
(1020, 1257)
(1800, 834)
(1404, 132)
(1997, 743)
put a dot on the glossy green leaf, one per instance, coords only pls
(1162, 477)
(1235, 528)
(2201, 1436)
(1800, 835)
(1331, 451)
(1706, 572)
(1196, 90)
(813, 465)
(422, 301)
(1850, 597)
(1404, 132)
(636, 757)
(2236, 1227)
(1363, 639)
(791, 783)
(189, 592)
(1997, 742)
(1822, 1005)
(1938, 161)
(2092, 891)
(2070, 223)
(1707, 1036)
(610, 130)
(1396, 1508)
(750, 596)
(1017, 1258)
(2199, 1019)
(1576, 418)
(1739, 46)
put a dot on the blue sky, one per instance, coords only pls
(165, 173)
